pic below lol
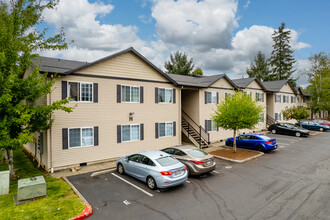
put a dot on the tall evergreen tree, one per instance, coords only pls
(259, 68)
(281, 60)
(179, 64)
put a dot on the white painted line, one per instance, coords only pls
(149, 194)
(187, 181)
(285, 139)
(283, 143)
(281, 146)
(228, 167)
(126, 202)
(215, 171)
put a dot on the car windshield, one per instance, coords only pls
(197, 153)
(264, 137)
(292, 126)
(167, 161)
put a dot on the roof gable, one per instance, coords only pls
(276, 86)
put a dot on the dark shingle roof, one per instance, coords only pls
(55, 65)
(198, 81)
(276, 86)
(244, 82)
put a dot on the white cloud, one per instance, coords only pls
(198, 24)
(203, 29)
(247, 4)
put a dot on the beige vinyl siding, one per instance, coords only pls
(125, 65)
(191, 103)
(278, 107)
(254, 88)
(30, 147)
(207, 110)
(107, 114)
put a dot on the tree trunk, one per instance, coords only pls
(300, 124)
(10, 161)
(3, 154)
(234, 144)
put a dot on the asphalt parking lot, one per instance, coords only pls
(292, 182)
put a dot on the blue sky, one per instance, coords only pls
(222, 36)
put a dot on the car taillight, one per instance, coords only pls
(269, 142)
(197, 162)
(166, 173)
(213, 158)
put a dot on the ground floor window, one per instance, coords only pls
(165, 129)
(211, 125)
(261, 117)
(130, 132)
(81, 137)
(277, 116)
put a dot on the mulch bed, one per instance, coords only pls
(241, 154)
(313, 132)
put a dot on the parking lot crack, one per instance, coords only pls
(155, 210)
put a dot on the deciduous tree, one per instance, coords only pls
(20, 118)
(236, 112)
(295, 112)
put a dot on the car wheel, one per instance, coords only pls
(151, 183)
(120, 168)
(230, 143)
(274, 131)
(298, 134)
(321, 129)
(260, 148)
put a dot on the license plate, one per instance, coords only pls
(208, 162)
(177, 172)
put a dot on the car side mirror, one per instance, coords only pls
(126, 159)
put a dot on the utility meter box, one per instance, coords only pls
(4, 182)
(30, 188)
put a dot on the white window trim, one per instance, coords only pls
(68, 91)
(212, 93)
(169, 122)
(130, 129)
(259, 94)
(130, 97)
(80, 137)
(159, 88)
(212, 126)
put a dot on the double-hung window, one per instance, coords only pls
(293, 99)
(259, 97)
(130, 133)
(211, 97)
(277, 116)
(278, 98)
(165, 95)
(211, 125)
(80, 92)
(130, 94)
(285, 99)
(165, 129)
(81, 137)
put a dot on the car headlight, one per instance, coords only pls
(327, 126)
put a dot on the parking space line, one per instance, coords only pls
(284, 139)
(142, 190)
(215, 171)
(283, 143)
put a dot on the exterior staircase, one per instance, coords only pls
(196, 133)
(270, 120)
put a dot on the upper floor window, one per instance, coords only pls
(249, 93)
(278, 98)
(80, 92)
(260, 97)
(261, 117)
(211, 97)
(228, 95)
(165, 95)
(285, 99)
(130, 94)
(293, 99)
(304, 100)
(298, 99)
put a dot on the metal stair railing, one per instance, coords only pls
(270, 120)
(199, 130)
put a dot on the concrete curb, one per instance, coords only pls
(88, 211)
(240, 161)
(103, 171)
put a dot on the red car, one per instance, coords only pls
(322, 122)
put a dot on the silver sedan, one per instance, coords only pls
(196, 160)
(157, 168)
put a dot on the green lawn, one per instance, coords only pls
(61, 203)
